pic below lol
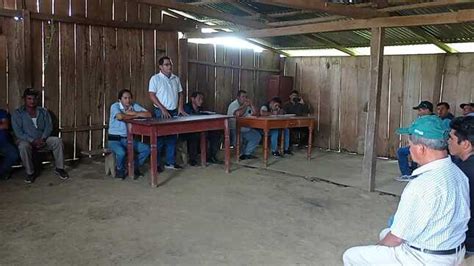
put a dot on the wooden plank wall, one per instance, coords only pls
(219, 72)
(336, 90)
(80, 68)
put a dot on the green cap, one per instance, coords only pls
(427, 126)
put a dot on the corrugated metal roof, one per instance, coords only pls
(359, 38)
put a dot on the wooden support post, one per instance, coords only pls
(28, 81)
(183, 64)
(376, 72)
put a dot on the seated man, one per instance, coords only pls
(296, 106)
(193, 139)
(122, 110)
(461, 145)
(242, 107)
(8, 152)
(33, 126)
(424, 108)
(442, 110)
(467, 109)
(431, 219)
(274, 108)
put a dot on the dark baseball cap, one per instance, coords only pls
(464, 104)
(30, 92)
(424, 105)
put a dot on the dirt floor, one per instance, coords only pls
(197, 216)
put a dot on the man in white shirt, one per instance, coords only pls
(430, 224)
(166, 93)
(242, 107)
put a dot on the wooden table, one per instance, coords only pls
(274, 122)
(178, 125)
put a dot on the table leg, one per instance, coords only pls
(237, 143)
(227, 145)
(265, 147)
(130, 153)
(153, 160)
(282, 140)
(310, 142)
(203, 149)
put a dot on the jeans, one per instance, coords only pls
(168, 141)
(10, 155)
(120, 150)
(250, 141)
(274, 139)
(403, 164)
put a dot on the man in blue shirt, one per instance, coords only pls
(33, 126)
(117, 138)
(8, 151)
(442, 110)
(193, 139)
(274, 108)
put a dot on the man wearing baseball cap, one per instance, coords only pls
(429, 226)
(467, 109)
(423, 108)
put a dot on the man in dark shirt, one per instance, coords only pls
(193, 139)
(461, 145)
(297, 106)
(8, 152)
(442, 110)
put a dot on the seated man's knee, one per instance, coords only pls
(350, 256)
(24, 145)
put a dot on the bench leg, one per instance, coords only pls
(110, 164)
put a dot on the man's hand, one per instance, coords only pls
(182, 112)
(132, 113)
(38, 143)
(165, 113)
(301, 100)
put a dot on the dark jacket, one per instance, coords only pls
(25, 129)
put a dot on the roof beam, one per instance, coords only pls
(398, 21)
(335, 9)
(438, 3)
(206, 2)
(423, 34)
(330, 43)
(304, 21)
(267, 46)
(205, 12)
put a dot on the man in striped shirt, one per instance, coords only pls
(429, 226)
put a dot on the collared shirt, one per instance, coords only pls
(434, 207)
(24, 127)
(234, 106)
(166, 89)
(117, 127)
(298, 109)
(467, 167)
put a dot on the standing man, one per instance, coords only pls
(429, 226)
(32, 126)
(461, 145)
(297, 106)
(274, 108)
(7, 149)
(424, 108)
(242, 106)
(122, 110)
(193, 139)
(166, 93)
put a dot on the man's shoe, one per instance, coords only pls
(405, 178)
(288, 152)
(160, 169)
(173, 166)
(193, 162)
(243, 157)
(251, 157)
(61, 173)
(121, 175)
(137, 174)
(30, 178)
(6, 176)
(276, 154)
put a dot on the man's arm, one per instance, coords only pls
(241, 110)
(181, 104)
(390, 240)
(154, 99)
(48, 128)
(4, 123)
(18, 128)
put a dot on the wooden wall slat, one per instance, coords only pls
(78, 8)
(149, 65)
(36, 51)
(3, 73)
(382, 134)
(223, 83)
(363, 69)
(83, 107)
(349, 108)
(51, 71)
(206, 74)
(396, 97)
(247, 77)
(45, 6)
(192, 69)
